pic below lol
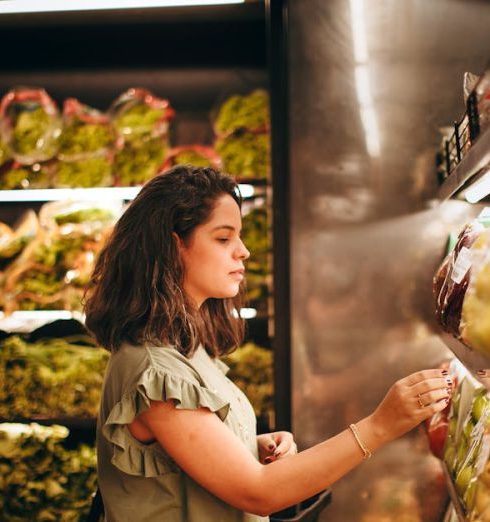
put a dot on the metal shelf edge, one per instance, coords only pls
(453, 495)
(477, 156)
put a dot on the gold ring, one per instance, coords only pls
(422, 405)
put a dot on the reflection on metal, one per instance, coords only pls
(361, 72)
(364, 244)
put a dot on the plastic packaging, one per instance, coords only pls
(30, 124)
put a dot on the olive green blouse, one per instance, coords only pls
(140, 482)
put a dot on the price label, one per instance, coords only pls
(462, 265)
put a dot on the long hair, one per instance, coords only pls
(136, 290)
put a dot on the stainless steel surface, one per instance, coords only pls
(366, 236)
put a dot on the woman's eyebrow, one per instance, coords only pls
(228, 227)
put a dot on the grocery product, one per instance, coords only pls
(251, 370)
(40, 480)
(462, 287)
(86, 147)
(52, 271)
(51, 378)
(196, 155)
(30, 124)
(249, 112)
(141, 121)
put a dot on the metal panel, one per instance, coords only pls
(365, 239)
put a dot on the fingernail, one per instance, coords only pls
(267, 460)
(271, 446)
(481, 373)
(444, 372)
(277, 454)
(449, 381)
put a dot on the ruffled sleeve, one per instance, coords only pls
(154, 384)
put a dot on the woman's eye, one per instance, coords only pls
(223, 239)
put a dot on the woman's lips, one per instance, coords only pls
(238, 274)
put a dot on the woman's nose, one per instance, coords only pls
(243, 252)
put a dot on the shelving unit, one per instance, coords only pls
(464, 173)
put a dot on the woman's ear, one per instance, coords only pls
(178, 241)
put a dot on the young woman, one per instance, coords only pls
(176, 439)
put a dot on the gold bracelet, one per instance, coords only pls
(365, 450)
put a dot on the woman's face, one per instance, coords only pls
(214, 254)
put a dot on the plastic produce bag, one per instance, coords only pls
(142, 122)
(13, 241)
(462, 286)
(30, 125)
(87, 145)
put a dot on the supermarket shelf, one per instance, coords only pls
(453, 495)
(476, 158)
(27, 321)
(470, 358)
(248, 190)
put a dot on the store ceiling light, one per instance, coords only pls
(49, 6)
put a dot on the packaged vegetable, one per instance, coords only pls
(30, 124)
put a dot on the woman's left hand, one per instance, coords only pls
(274, 446)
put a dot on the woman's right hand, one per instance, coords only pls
(410, 401)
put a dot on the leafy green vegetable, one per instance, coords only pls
(138, 120)
(40, 480)
(245, 155)
(251, 369)
(84, 215)
(140, 160)
(191, 157)
(53, 378)
(30, 131)
(94, 171)
(79, 137)
(255, 236)
(4, 153)
(243, 112)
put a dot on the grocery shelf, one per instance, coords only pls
(453, 495)
(475, 159)
(472, 359)
(25, 321)
(247, 190)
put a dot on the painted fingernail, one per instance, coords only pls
(267, 460)
(444, 372)
(271, 446)
(481, 373)
(449, 381)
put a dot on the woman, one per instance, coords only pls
(176, 439)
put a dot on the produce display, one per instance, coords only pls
(242, 135)
(51, 378)
(40, 480)
(467, 448)
(462, 287)
(251, 370)
(52, 270)
(255, 237)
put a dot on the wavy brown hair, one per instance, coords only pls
(136, 291)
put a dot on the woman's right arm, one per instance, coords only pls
(214, 457)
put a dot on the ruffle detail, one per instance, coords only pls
(150, 460)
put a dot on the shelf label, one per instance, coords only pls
(462, 265)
